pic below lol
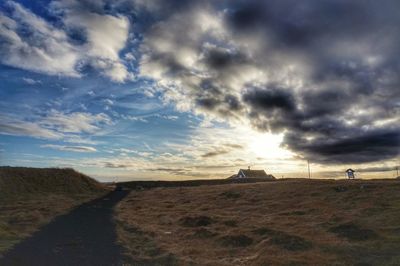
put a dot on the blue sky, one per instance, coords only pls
(115, 116)
(134, 89)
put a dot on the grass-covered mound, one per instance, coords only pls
(15, 181)
(31, 197)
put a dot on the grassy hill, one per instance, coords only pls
(31, 197)
(285, 222)
(15, 181)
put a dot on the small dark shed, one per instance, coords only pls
(350, 173)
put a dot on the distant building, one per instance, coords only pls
(248, 173)
(350, 173)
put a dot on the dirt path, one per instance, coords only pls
(84, 236)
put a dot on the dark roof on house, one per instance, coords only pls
(254, 173)
(349, 170)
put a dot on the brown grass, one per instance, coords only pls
(291, 222)
(30, 198)
(15, 181)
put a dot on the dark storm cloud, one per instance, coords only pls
(212, 98)
(233, 103)
(299, 24)
(272, 109)
(267, 99)
(366, 147)
(376, 169)
(325, 102)
(223, 58)
(207, 103)
(324, 72)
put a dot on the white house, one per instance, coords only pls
(248, 173)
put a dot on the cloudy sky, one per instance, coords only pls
(197, 89)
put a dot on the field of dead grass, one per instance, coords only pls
(290, 222)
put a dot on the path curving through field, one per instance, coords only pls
(84, 236)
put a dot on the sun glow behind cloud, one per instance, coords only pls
(266, 145)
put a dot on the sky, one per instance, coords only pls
(152, 89)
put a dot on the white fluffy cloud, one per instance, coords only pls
(106, 35)
(47, 49)
(55, 125)
(42, 50)
(31, 81)
(10, 126)
(74, 122)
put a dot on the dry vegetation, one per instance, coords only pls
(291, 222)
(31, 197)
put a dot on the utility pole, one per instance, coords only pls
(309, 172)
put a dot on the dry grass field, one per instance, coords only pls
(286, 222)
(30, 198)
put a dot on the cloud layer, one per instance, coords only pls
(41, 50)
(321, 72)
(85, 39)
(70, 148)
(55, 125)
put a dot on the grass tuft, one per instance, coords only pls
(235, 241)
(353, 232)
(196, 221)
(284, 240)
